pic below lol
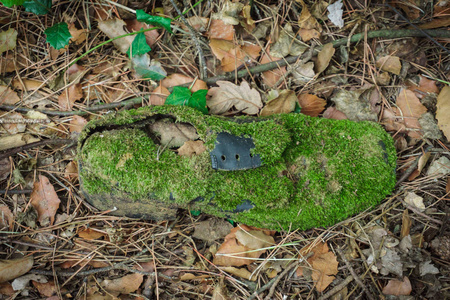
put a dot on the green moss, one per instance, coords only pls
(315, 172)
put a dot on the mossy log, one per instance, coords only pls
(315, 172)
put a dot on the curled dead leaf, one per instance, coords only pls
(190, 148)
(227, 95)
(311, 105)
(283, 104)
(324, 58)
(45, 200)
(390, 64)
(443, 111)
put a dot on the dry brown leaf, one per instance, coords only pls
(158, 96)
(271, 77)
(78, 35)
(46, 289)
(220, 48)
(443, 111)
(198, 23)
(283, 104)
(311, 105)
(236, 57)
(232, 56)
(150, 36)
(306, 20)
(113, 28)
(71, 170)
(240, 272)
(111, 68)
(77, 123)
(8, 96)
(237, 247)
(286, 44)
(406, 224)
(323, 262)
(45, 200)
(190, 148)
(27, 84)
(398, 288)
(424, 87)
(333, 113)
(390, 64)
(324, 58)
(15, 267)
(11, 61)
(68, 97)
(76, 73)
(436, 23)
(124, 285)
(5, 169)
(16, 140)
(190, 276)
(324, 267)
(6, 217)
(227, 95)
(308, 34)
(410, 109)
(91, 234)
(179, 79)
(173, 134)
(6, 289)
(219, 30)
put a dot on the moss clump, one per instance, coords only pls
(315, 172)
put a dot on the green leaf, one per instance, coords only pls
(194, 213)
(139, 46)
(146, 69)
(182, 96)
(58, 35)
(198, 101)
(38, 7)
(9, 3)
(141, 16)
(297, 108)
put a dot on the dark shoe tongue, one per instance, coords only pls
(234, 153)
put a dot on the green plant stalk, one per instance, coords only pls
(109, 41)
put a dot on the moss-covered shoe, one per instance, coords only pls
(283, 171)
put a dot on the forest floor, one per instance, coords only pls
(395, 70)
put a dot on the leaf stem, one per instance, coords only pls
(109, 41)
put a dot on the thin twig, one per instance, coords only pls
(119, 266)
(201, 56)
(10, 152)
(418, 28)
(402, 33)
(337, 288)
(278, 278)
(355, 276)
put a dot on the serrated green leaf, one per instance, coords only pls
(58, 35)
(38, 7)
(9, 3)
(146, 69)
(198, 101)
(180, 96)
(139, 46)
(142, 16)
